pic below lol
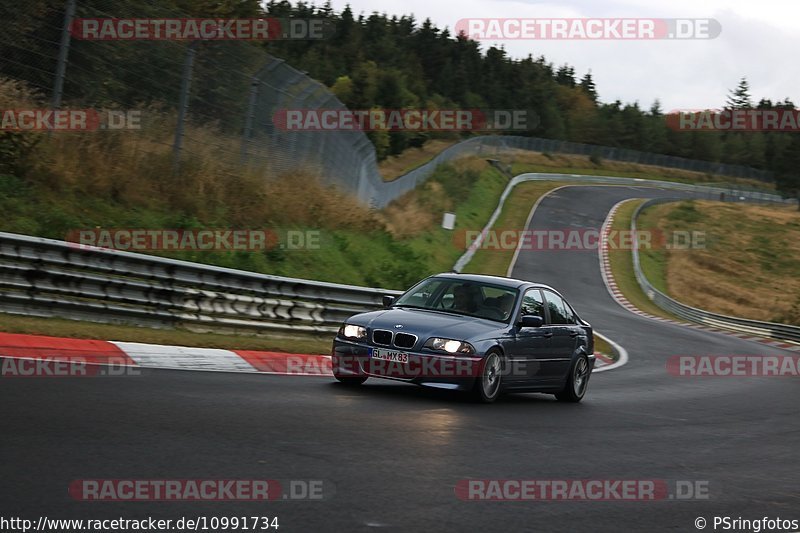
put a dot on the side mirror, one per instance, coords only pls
(531, 321)
(388, 301)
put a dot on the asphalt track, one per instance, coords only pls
(390, 454)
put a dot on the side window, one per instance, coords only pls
(569, 314)
(533, 304)
(560, 312)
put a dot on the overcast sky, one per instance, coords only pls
(760, 39)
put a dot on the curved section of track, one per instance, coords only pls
(394, 453)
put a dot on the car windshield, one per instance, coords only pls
(463, 297)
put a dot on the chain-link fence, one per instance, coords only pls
(192, 96)
(345, 158)
(495, 145)
(219, 98)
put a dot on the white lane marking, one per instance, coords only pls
(542, 197)
(622, 352)
(184, 357)
(527, 223)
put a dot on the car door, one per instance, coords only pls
(565, 335)
(531, 347)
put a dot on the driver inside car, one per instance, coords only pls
(465, 298)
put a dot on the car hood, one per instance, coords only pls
(427, 324)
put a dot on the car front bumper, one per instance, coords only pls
(356, 359)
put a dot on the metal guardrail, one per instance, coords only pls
(44, 277)
(376, 192)
(692, 314)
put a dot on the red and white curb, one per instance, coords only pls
(603, 362)
(16, 346)
(616, 294)
(134, 354)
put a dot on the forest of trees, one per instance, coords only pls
(380, 60)
(391, 61)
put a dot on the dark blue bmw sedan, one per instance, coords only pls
(484, 334)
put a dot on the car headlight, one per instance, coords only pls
(349, 331)
(449, 346)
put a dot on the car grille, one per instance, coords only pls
(382, 337)
(405, 340)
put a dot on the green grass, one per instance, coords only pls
(601, 346)
(398, 165)
(475, 198)
(513, 217)
(413, 166)
(654, 260)
(354, 256)
(622, 265)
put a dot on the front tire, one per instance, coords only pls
(350, 381)
(350, 378)
(577, 381)
(488, 383)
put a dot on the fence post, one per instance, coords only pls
(186, 83)
(63, 52)
(248, 121)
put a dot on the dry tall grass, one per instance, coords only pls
(133, 168)
(750, 266)
(420, 209)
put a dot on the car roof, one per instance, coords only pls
(495, 280)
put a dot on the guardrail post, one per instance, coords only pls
(186, 83)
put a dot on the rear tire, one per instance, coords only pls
(489, 383)
(577, 381)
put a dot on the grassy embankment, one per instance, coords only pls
(395, 166)
(746, 261)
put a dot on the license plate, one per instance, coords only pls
(389, 355)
